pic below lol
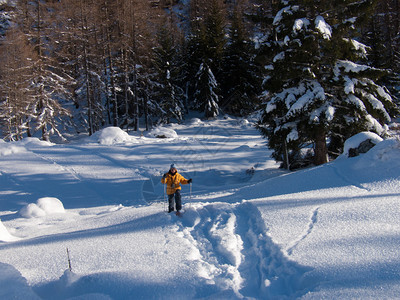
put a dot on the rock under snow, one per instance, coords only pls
(360, 143)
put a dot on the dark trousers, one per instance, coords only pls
(178, 201)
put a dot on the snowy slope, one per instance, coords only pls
(249, 229)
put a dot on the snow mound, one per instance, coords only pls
(5, 236)
(32, 211)
(10, 148)
(13, 285)
(195, 121)
(44, 206)
(69, 278)
(164, 133)
(243, 123)
(111, 136)
(356, 140)
(384, 155)
(32, 141)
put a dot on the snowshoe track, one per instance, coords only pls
(233, 253)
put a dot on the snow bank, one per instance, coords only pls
(384, 155)
(161, 132)
(13, 285)
(31, 141)
(195, 121)
(111, 136)
(44, 206)
(356, 140)
(10, 148)
(70, 284)
(5, 236)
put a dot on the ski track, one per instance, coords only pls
(311, 224)
(69, 170)
(234, 254)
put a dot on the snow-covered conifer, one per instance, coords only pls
(318, 89)
(166, 91)
(205, 97)
(240, 80)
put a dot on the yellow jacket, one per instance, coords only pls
(173, 182)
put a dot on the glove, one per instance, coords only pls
(164, 176)
(190, 180)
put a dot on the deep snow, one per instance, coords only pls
(249, 229)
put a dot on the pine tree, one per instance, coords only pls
(318, 88)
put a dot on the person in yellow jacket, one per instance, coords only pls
(173, 180)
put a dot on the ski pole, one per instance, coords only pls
(190, 197)
(165, 186)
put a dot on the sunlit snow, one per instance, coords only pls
(249, 229)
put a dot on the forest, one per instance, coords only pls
(316, 72)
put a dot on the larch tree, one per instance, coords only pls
(17, 58)
(84, 59)
(49, 84)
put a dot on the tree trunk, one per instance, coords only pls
(111, 66)
(86, 70)
(286, 155)
(146, 110)
(320, 149)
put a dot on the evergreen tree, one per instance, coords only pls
(215, 35)
(381, 34)
(240, 82)
(206, 98)
(167, 92)
(205, 51)
(318, 87)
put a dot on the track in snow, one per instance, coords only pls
(234, 254)
(311, 224)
